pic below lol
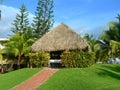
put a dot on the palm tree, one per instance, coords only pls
(91, 41)
(113, 33)
(18, 46)
(115, 49)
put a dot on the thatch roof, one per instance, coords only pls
(60, 38)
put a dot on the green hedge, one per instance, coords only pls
(78, 59)
(39, 59)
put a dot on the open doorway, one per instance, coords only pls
(55, 59)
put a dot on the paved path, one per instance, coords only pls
(37, 80)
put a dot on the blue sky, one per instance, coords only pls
(83, 16)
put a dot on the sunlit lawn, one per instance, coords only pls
(11, 79)
(97, 77)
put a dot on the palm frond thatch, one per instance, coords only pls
(60, 38)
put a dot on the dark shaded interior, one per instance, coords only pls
(55, 54)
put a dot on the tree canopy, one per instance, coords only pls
(113, 33)
(21, 23)
(44, 18)
(20, 42)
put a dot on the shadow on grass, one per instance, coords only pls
(115, 68)
(112, 71)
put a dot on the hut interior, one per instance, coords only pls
(55, 54)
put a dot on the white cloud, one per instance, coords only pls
(64, 17)
(82, 30)
(8, 15)
(31, 17)
(96, 32)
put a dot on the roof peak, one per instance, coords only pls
(63, 24)
(60, 38)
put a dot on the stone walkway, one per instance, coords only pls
(37, 80)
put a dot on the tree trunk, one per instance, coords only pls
(2, 70)
(19, 59)
(31, 66)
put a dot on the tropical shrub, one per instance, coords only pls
(115, 49)
(39, 59)
(78, 59)
(112, 50)
(102, 55)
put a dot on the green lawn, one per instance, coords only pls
(11, 79)
(97, 77)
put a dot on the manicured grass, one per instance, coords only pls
(97, 77)
(11, 79)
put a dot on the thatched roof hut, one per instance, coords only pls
(59, 39)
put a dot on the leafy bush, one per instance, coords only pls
(39, 59)
(102, 55)
(78, 59)
(115, 49)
